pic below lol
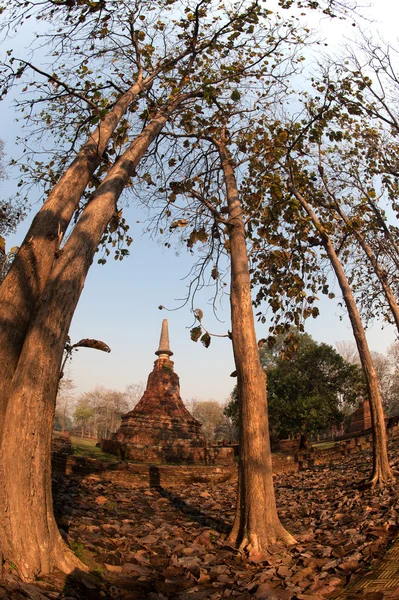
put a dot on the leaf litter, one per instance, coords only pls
(160, 543)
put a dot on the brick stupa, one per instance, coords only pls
(160, 429)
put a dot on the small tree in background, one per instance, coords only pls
(133, 393)
(64, 404)
(101, 410)
(216, 425)
(307, 388)
(82, 415)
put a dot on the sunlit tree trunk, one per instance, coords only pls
(256, 525)
(28, 533)
(381, 471)
(30, 269)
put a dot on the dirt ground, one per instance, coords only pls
(151, 540)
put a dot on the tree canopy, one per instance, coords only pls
(306, 388)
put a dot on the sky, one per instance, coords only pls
(119, 303)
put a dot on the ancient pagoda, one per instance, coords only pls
(160, 429)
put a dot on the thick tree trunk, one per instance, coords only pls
(256, 525)
(28, 274)
(28, 532)
(381, 472)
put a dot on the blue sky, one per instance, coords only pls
(119, 302)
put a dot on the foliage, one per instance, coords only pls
(99, 411)
(133, 393)
(11, 214)
(64, 404)
(386, 366)
(307, 391)
(215, 424)
(6, 258)
(83, 414)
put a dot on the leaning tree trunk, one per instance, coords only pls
(28, 533)
(381, 274)
(256, 525)
(381, 471)
(30, 269)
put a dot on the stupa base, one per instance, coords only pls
(177, 452)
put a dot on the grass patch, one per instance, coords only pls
(88, 449)
(86, 556)
(323, 445)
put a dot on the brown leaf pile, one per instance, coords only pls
(161, 543)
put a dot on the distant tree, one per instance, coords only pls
(106, 408)
(134, 392)
(348, 350)
(64, 403)
(306, 389)
(82, 414)
(215, 424)
(386, 370)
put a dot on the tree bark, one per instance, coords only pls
(28, 533)
(381, 471)
(304, 441)
(30, 269)
(382, 277)
(256, 524)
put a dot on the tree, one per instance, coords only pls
(357, 165)
(134, 392)
(170, 69)
(307, 389)
(10, 215)
(224, 220)
(386, 369)
(64, 402)
(82, 414)
(102, 410)
(256, 524)
(306, 392)
(308, 230)
(215, 424)
(381, 471)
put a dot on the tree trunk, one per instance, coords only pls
(381, 472)
(31, 267)
(304, 441)
(256, 525)
(28, 532)
(381, 274)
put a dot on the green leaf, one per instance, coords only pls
(235, 96)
